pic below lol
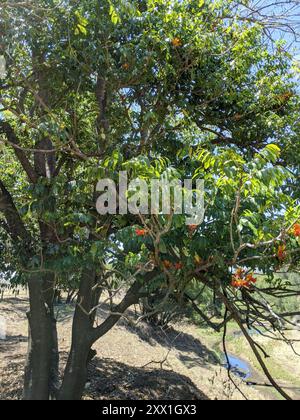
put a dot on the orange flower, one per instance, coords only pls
(167, 264)
(296, 230)
(193, 228)
(285, 97)
(281, 253)
(176, 42)
(237, 117)
(251, 280)
(233, 282)
(241, 280)
(179, 266)
(125, 66)
(237, 282)
(141, 232)
(240, 272)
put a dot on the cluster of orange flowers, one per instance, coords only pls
(281, 253)
(141, 232)
(169, 266)
(285, 97)
(296, 230)
(126, 66)
(241, 279)
(282, 250)
(193, 228)
(176, 42)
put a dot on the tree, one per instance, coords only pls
(93, 88)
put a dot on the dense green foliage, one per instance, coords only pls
(220, 87)
(176, 87)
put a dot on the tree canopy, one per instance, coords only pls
(192, 89)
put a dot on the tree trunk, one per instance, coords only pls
(41, 370)
(75, 375)
(76, 372)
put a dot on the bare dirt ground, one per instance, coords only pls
(129, 361)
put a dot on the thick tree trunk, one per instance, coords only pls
(75, 375)
(41, 370)
(76, 371)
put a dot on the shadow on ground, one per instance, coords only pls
(170, 338)
(11, 341)
(109, 379)
(11, 379)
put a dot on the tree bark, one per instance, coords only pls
(76, 370)
(41, 370)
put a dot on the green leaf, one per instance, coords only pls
(82, 23)
(115, 17)
(163, 247)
